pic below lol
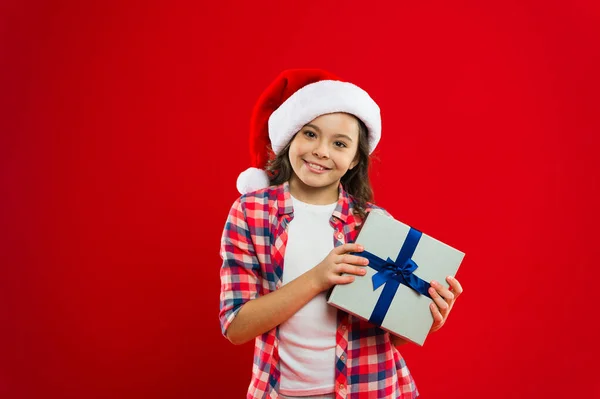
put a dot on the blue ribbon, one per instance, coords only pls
(393, 273)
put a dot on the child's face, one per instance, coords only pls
(321, 153)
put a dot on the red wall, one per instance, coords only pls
(123, 129)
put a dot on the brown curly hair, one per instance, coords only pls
(356, 180)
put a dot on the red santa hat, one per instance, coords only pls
(293, 99)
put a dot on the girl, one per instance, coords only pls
(289, 238)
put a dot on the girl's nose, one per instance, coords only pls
(320, 151)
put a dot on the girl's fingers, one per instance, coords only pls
(439, 301)
(351, 269)
(454, 286)
(346, 279)
(352, 247)
(443, 291)
(354, 260)
(438, 319)
(443, 299)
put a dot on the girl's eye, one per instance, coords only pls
(310, 134)
(340, 144)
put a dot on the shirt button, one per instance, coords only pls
(340, 236)
(343, 327)
(342, 357)
(342, 387)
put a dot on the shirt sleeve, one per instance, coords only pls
(240, 270)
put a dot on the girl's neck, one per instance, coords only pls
(313, 195)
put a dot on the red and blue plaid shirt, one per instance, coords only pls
(253, 244)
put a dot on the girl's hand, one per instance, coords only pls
(329, 272)
(443, 300)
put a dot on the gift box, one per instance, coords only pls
(393, 293)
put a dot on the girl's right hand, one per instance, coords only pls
(329, 272)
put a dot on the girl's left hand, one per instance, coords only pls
(443, 300)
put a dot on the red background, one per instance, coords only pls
(124, 126)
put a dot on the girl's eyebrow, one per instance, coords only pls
(343, 136)
(313, 126)
(335, 135)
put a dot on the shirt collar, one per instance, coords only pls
(285, 207)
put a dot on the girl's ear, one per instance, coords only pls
(354, 163)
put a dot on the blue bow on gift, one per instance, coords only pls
(393, 273)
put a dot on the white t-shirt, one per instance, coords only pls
(307, 339)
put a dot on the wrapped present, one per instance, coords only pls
(393, 294)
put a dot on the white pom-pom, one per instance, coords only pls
(252, 179)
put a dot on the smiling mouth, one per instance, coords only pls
(316, 167)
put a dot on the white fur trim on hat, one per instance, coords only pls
(320, 98)
(252, 179)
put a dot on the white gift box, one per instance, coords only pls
(408, 314)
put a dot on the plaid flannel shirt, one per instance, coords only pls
(253, 244)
